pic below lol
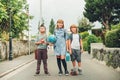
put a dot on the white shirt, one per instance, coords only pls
(75, 42)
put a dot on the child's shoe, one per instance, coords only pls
(80, 71)
(37, 72)
(73, 72)
(47, 73)
(60, 73)
(66, 73)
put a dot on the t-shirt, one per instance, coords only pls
(40, 37)
(75, 44)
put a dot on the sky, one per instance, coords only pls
(68, 10)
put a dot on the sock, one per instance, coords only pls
(79, 68)
(59, 64)
(74, 68)
(64, 64)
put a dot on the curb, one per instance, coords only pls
(15, 68)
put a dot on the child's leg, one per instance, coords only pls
(64, 65)
(38, 61)
(38, 66)
(79, 65)
(74, 64)
(59, 63)
(73, 58)
(45, 66)
(79, 61)
(45, 57)
(64, 62)
(79, 68)
(78, 58)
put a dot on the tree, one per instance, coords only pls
(105, 11)
(52, 26)
(19, 16)
(84, 25)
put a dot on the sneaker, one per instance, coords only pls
(66, 73)
(47, 73)
(37, 72)
(79, 71)
(60, 73)
(73, 72)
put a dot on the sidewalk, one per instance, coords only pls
(8, 66)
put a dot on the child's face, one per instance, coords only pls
(60, 25)
(74, 30)
(42, 29)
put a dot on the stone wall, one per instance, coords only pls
(18, 48)
(111, 56)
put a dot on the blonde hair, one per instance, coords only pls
(74, 26)
(60, 21)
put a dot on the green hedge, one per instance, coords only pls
(112, 38)
(91, 39)
(85, 46)
(84, 34)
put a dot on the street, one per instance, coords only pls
(92, 70)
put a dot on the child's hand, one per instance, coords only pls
(67, 50)
(39, 42)
(82, 50)
(70, 51)
(42, 41)
(51, 44)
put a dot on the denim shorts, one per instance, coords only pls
(76, 55)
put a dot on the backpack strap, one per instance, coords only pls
(65, 34)
(71, 37)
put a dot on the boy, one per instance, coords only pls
(75, 48)
(42, 49)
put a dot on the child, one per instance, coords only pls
(75, 47)
(42, 49)
(60, 46)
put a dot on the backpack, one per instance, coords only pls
(71, 37)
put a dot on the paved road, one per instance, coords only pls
(92, 70)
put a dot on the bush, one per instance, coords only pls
(91, 39)
(112, 38)
(84, 34)
(99, 39)
(116, 26)
(85, 46)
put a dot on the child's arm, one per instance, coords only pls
(69, 46)
(81, 45)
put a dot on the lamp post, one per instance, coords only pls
(28, 29)
(41, 12)
(10, 31)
